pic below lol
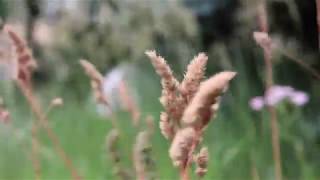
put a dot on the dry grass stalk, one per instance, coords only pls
(267, 51)
(113, 152)
(198, 102)
(25, 61)
(26, 64)
(144, 164)
(35, 152)
(96, 81)
(97, 88)
(169, 84)
(301, 63)
(128, 103)
(5, 119)
(265, 41)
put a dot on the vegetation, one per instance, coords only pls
(267, 123)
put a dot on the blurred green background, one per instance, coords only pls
(114, 34)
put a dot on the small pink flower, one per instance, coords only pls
(299, 98)
(276, 94)
(256, 103)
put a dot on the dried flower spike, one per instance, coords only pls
(144, 164)
(25, 61)
(26, 64)
(195, 73)
(200, 110)
(113, 152)
(96, 81)
(169, 84)
(188, 109)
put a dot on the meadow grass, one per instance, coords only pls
(232, 138)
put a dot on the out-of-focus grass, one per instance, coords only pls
(233, 141)
(238, 139)
(82, 133)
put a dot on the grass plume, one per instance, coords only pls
(201, 102)
(26, 64)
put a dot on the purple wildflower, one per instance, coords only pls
(257, 103)
(276, 94)
(299, 98)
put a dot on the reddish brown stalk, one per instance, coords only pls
(35, 152)
(318, 20)
(184, 174)
(44, 122)
(263, 24)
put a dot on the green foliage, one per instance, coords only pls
(3, 9)
(123, 31)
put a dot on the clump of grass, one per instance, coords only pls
(189, 106)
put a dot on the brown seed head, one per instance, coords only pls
(96, 81)
(200, 110)
(25, 61)
(169, 84)
(195, 73)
